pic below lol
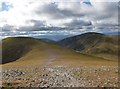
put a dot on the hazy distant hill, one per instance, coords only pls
(93, 44)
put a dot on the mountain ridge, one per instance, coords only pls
(92, 43)
(30, 51)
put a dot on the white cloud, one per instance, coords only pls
(32, 14)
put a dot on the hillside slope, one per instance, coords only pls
(31, 51)
(29, 62)
(95, 44)
(14, 48)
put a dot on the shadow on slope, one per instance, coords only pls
(93, 44)
(14, 48)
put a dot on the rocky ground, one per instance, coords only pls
(61, 76)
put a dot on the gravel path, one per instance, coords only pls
(61, 76)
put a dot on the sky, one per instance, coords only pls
(57, 18)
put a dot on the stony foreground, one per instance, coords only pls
(61, 76)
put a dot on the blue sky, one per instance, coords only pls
(6, 6)
(87, 2)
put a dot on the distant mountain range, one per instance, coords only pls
(112, 33)
(95, 44)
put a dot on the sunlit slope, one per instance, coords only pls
(95, 44)
(21, 51)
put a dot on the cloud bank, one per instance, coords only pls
(41, 15)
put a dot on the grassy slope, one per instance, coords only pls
(30, 51)
(94, 44)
